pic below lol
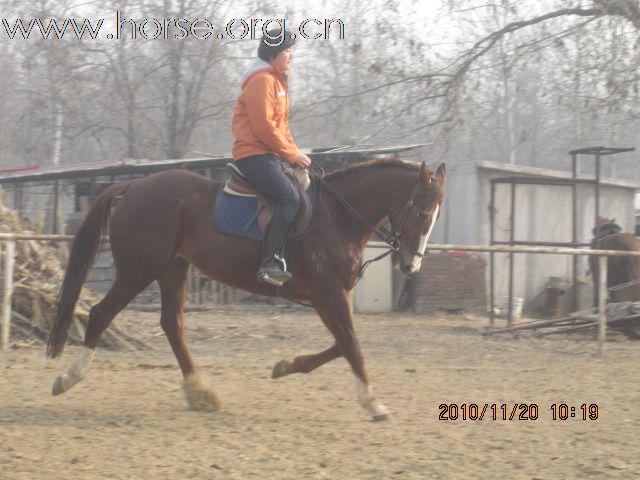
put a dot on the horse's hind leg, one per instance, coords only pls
(173, 291)
(100, 317)
(305, 363)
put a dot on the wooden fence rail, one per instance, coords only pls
(8, 242)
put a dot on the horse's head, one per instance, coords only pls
(414, 220)
(606, 226)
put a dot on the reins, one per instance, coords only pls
(388, 237)
(392, 239)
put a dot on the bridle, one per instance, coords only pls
(392, 238)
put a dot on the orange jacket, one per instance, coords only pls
(261, 115)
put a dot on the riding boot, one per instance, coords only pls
(272, 268)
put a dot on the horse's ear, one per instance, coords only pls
(424, 178)
(441, 172)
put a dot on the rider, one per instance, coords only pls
(263, 143)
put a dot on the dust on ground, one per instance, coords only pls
(129, 419)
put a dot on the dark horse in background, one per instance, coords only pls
(608, 235)
(162, 223)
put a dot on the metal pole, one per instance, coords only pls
(511, 239)
(56, 206)
(602, 304)
(492, 214)
(597, 209)
(19, 198)
(7, 291)
(574, 226)
(506, 249)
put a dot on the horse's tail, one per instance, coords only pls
(84, 249)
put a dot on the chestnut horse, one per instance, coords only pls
(162, 223)
(620, 270)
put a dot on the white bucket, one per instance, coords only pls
(516, 307)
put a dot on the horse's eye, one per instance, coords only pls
(421, 215)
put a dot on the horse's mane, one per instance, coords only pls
(376, 162)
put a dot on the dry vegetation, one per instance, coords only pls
(38, 272)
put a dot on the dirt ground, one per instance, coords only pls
(129, 420)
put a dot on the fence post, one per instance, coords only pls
(602, 302)
(2, 328)
(7, 291)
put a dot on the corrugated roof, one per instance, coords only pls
(548, 173)
(144, 166)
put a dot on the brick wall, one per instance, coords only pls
(450, 281)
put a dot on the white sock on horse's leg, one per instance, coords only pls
(369, 402)
(76, 372)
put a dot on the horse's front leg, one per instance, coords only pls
(334, 310)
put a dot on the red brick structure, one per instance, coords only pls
(450, 281)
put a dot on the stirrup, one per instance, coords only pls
(276, 279)
(274, 274)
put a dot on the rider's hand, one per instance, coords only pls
(303, 161)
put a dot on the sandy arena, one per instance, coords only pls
(129, 419)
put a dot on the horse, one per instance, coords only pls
(608, 235)
(160, 224)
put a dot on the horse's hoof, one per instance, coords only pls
(200, 396)
(380, 413)
(382, 417)
(204, 401)
(280, 369)
(58, 387)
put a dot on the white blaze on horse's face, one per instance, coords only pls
(422, 247)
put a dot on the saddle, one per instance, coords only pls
(238, 185)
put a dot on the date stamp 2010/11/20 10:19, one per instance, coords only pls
(516, 411)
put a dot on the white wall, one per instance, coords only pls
(374, 292)
(455, 224)
(543, 213)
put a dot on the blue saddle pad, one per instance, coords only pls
(233, 215)
(237, 216)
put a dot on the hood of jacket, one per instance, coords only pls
(258, 65)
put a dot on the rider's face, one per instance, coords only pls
(283, 60)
